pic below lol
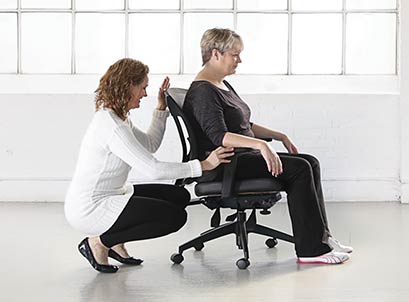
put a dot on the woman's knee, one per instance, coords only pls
(303, 168)
(314, 162)
(179, 220)
(184, 194)
(179, 196)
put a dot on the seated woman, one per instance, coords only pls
(221, 117)
(99, 201)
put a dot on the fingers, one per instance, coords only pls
(224, 155)
(279, 166)
(274, 165)
(223, 149)
(165, 85)
(269, 165)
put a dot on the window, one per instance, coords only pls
(282, 37)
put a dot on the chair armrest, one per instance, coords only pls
(242, 150)
(229, 172)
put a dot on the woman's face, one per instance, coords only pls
(137, 93)
(230, 60)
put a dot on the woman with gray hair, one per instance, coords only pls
(220, 117)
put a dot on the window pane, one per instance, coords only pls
(161, 52)
(209, 4)
(317, 44)
(46, 3)
(371, 43)
(100, 41)
(317, 5)
(194, 27)
(8, 43)
(151, 4)
(8, 4)
(100, 4)
(46, 42)
(261, 4)
(265, 39)
(371, 4)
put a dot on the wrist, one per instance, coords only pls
(281, 137)
(203, 165)
(260, 145)
(161, 108)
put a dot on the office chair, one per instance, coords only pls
(250, 194)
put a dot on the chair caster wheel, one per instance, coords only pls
(177, 258)
(242, 263)
(199, 247)
(271, 242)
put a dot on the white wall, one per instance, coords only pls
(361, 135)
(404, 101)
(356, 137)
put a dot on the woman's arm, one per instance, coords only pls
(152, 139)
(263, 132)
(270, 156)
(124, 145)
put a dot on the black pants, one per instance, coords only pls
(154, 210)
(301, 178)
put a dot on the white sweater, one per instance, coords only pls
(99, 190)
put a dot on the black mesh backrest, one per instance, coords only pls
(175, 98)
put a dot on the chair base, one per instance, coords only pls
(241, 228)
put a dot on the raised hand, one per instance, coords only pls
(161, 94)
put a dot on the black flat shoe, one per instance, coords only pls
(119, 258)
(85, 250)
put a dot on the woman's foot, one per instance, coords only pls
(97, 254)
(121, 250)
(120, 254)
(328, 258)
(338, 247)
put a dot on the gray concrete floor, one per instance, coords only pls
(40, 261)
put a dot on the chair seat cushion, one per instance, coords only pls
(249, 186)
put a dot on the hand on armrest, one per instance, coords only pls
(217, 157)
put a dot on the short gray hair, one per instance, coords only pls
(222, 39)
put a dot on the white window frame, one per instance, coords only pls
(81, 82)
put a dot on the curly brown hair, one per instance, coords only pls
(114, 90)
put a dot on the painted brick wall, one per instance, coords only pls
(356, 138)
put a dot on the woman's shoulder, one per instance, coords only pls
(201, 85)
(201, 90)
(105, 122)
(108, 117)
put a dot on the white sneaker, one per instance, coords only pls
(338, 247)
(328, 258)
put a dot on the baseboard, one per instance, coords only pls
(362, 190)
(49, 190)
(404, 197)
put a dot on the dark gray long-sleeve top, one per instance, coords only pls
(213, 112)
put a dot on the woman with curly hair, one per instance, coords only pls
(99, 200)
